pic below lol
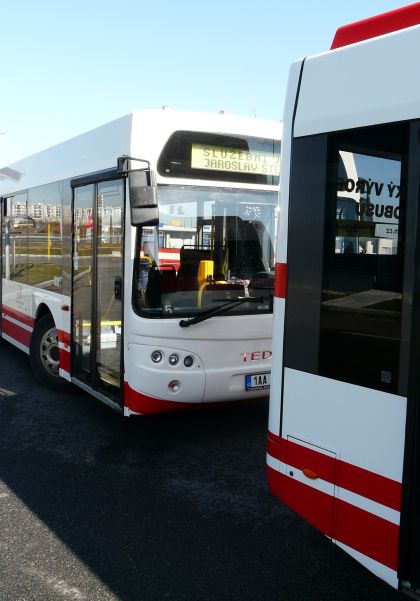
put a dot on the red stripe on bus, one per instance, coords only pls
(280, 272)
(314, 505)
(368, 484)
(303, 458)
(362, 531)
(355, 479)
(16, 332)
(63, 337)
(174, 251)
(18, 315)
(365, 29)
(276, 482)
(147, 405)
(276, 447)
(64, 360)
(169, 263)
(367, 533)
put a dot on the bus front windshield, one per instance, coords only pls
(212, 246)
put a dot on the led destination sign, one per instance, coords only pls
(221, 158)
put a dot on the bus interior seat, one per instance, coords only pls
(190, 259)
(168, 279)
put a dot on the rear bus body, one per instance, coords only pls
(343, 420)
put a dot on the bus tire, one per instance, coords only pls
(44, 355)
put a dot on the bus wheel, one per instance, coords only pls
(44, 354)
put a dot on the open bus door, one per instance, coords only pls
(97, 315)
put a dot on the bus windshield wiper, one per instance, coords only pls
(221, 309)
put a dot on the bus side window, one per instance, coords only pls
(362, 272)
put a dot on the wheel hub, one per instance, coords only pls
(49, 351)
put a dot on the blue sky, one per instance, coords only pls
(69, 66)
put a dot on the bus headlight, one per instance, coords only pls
(188, 361)
(173, 359)
(156, 356)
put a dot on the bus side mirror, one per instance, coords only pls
(143, 199)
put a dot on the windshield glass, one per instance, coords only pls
(212, 245)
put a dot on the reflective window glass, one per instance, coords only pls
(363, 257)
(45, 237)
(212, 245)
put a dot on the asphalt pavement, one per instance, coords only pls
(94, 506)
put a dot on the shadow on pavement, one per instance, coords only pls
(165, 507)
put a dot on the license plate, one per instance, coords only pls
(257, 381)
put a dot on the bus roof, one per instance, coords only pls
(381, 24)
(358, 85)
(142, 133)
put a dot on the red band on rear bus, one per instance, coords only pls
(394, 20)
(280, 280)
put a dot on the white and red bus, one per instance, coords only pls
(138, 259)
(344, 420)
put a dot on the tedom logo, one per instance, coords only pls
(256, 356)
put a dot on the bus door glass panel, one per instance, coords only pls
(212, 245)
(82, 281)
(5, 238)
(109, 278)
(363, 260)
(97, 285)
